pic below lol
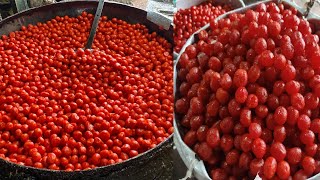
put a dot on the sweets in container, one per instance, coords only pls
(53, 42)
(235, 96)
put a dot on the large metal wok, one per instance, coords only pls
(153, 164)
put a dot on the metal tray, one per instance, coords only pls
(189, 157)
(151, 164)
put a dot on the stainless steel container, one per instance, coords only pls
(191, 160)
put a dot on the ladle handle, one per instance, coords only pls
(95, 24)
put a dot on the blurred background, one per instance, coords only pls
(10, 7)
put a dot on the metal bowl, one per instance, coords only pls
(189, 157)
(155, 163)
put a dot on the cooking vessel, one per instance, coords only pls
(189, 157)
(155, 163)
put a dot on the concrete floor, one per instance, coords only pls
(142, 4)
(179, 168)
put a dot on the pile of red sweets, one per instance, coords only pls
(188, 21)
(249, 95)
(65, 108)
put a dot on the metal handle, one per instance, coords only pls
(95, 24)
(166, 12)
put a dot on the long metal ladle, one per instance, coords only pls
(95, 24)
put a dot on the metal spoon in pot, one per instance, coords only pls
(95, 24)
